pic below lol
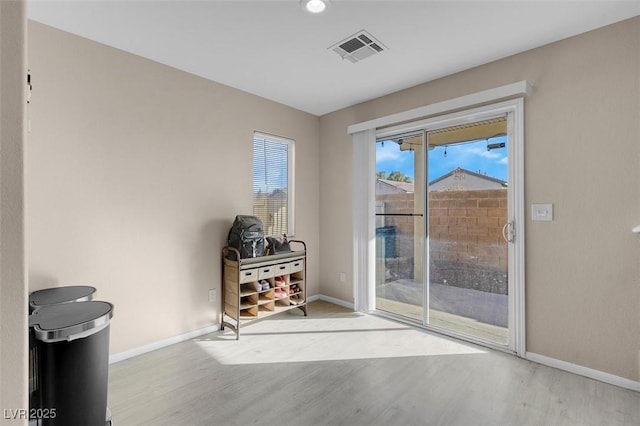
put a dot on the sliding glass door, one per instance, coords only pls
(400, 225)
(443, 228)
(468, 255)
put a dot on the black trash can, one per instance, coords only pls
(72, 368)
(57, 295)
(47, 297)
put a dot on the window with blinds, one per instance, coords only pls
(273, 183)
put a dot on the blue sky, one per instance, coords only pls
(471, 156)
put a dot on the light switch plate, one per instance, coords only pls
(542, 212)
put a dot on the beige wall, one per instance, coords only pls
(13, 294)
(582, 153)
(135, 173)
(127, 189)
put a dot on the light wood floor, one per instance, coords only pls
(336, 367)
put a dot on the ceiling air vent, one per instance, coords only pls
(359, 46)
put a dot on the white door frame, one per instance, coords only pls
(364, 232)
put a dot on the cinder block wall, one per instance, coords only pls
(466, 243)
(465, 232)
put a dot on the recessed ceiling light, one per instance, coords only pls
(315, 6)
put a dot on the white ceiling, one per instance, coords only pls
(276, 50)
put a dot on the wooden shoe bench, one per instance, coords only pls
(243, 297)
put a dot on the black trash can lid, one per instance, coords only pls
(70, 321)
(55, 295)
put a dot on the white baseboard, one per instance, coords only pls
(121, 356)
(584, 371)
(313, 298)
(333, 300)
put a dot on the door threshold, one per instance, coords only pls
(443, 331)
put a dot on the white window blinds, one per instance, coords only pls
(273, 183)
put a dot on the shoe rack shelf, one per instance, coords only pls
(258, 287)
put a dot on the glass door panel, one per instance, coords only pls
(467, 199)
(400, 225)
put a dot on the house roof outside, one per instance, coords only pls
(461, 179)
(458, 179)
(386, 186)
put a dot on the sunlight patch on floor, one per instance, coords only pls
(301, 339)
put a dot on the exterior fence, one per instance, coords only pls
(467, 249)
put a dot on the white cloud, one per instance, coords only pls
(479, 151)
(471, 156)
(389, 152)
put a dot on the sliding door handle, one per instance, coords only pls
(509, 232)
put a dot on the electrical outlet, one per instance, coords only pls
(212, 295)
(343, 277)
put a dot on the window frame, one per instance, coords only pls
(364, 135)
(290, 143)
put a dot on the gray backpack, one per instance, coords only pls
(247, 236)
